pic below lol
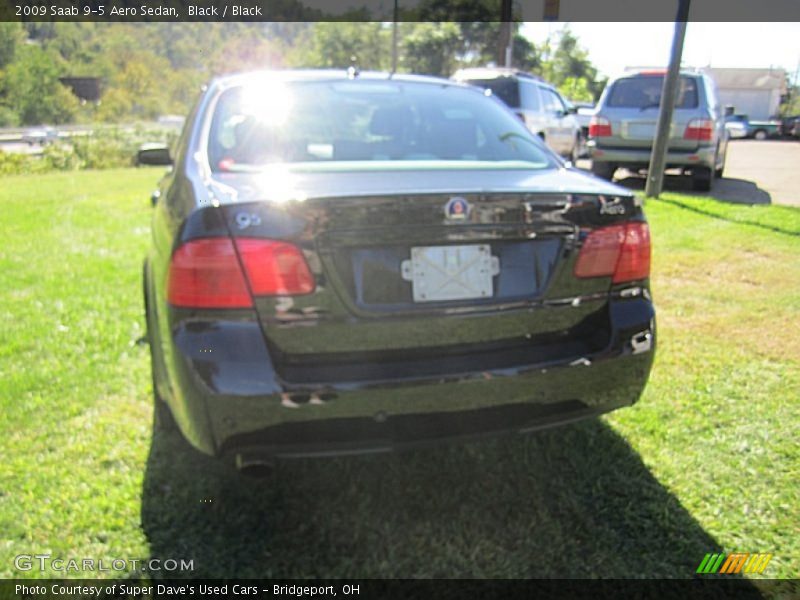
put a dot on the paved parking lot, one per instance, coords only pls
(755, 173)
(772, 165)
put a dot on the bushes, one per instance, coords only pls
(100, 149)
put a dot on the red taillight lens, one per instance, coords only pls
(275, 268)
(206, 273)
(701, 130)
(599, 127)
(634, 257)
(622, 251)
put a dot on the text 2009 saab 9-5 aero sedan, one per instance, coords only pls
(352, 263)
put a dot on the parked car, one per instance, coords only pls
(795, 129)
(788, 125)
(762, 130)
(353, 263)
(583, 114)
(759, 130)
(537, 103)
(40, 135)
(737, 126)
(622, 131)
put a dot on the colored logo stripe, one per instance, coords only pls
(710, 563)
(736, 562)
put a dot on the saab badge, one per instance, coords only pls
(457, 209)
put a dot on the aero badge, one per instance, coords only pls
(457, 209)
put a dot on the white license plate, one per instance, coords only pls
(440, 273)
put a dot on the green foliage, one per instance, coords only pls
(11, 36)
(12, 163)
(8, 116)
(333, 45)
(432, 48)
(791, 104)
(31, 88)
(566, 65)
(105, 148)
(577, 89)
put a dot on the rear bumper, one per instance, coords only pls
(637, 158)
(251, 414)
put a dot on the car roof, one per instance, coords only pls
(657, 72)
(495, 73)
(291, 75)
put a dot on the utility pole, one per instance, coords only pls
(394, 38)
(504, 43)
(669, 93)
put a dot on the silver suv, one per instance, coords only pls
(536, 102)
(622, 131)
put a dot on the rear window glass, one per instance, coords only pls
(274, 122)
(505, 88)
(645, 92)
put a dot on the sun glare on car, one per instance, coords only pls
(269, 102)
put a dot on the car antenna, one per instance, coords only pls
(352, 70)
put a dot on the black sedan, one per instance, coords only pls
(348, 262)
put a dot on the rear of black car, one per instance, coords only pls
(352, 306)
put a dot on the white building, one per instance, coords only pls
(752, 92)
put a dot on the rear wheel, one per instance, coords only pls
(760, 134)
(162, 416)
(603, 170)
(702, 179)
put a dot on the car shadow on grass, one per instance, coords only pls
(727, 189)
(571, 502)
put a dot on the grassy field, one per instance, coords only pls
(707, 461)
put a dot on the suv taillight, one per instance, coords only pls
(599, 127)
(621, 251)
(207, 273)
(701, 130)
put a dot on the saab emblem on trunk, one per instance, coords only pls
(457, 209)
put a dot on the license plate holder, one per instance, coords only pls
(447, 273)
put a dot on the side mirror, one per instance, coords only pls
(153, 154)
(572, 110)
(729, 108)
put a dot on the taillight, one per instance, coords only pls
(275, 268)
(701, 130)
(206, 273)
(599, 127)
(620, 251)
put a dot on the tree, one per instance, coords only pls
(11, 36)
(568, 67)
(333, 44)
(432, 48)
(32, 90)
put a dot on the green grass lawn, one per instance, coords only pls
(707, 461)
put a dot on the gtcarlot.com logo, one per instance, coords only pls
(46, 562)
(730, 564)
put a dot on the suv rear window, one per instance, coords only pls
(644, 91)
(505, 88)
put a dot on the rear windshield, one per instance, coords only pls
(505, 88)
(645, 92)
(277, 122)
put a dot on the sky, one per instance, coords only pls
(614, 46)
